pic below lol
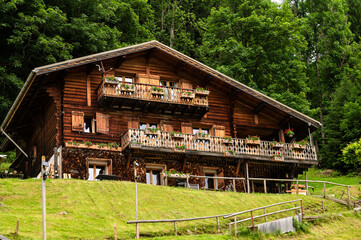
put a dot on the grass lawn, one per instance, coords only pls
(93, 207)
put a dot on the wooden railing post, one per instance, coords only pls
(265, 186)
(218, 226)
(297, 186)
(235, 226)
(175, 228)
(252, 221)
(348, 196)
(137, 230)
(324, 190)
(234, 185)
(301, 208)
(265, 212)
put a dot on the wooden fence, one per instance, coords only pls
(174, 221)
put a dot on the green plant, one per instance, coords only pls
(228, 138)
(153, 130)
(302, 142)
(102, 145)
(202, 134)
(111, 79)
(134, 142)
(182, 147)
(231, 151)
(187, 92)
(174, 133)
(253, 137)
(289, 132)
(173, 171)
(198, 88)
(277, 155)
(127, 86)
(88, 143)
(113, 145)
(274, 142)
(73, 143)
(158, 89)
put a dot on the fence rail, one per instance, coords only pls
(235, 148)
(174, 221)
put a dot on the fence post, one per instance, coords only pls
(187, 181)
(247, 176)
(265, 186)
(348, 196)
(297, 187)
(306, 182)
(301, 208)
(296, 209)
(252, 221)
(235, 226)
(234, 185)
(175, 228)
(218, 227)
(137, 230)
(265, 217)
(324, 189)
(115, 231)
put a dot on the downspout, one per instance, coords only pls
(2, 130)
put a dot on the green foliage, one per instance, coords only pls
(352, 156)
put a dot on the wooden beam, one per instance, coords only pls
(128, 160)
(259, 108)
(184, 164)
(255, 119)
(238, 167)
(88, 91)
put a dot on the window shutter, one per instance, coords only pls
(102, 123)
(154, 80)
(143, 78)
(187, 85)
(218, 131)
(187, 128)
(133, 123)
(77, 121)
(167, 126)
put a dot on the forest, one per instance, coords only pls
(304, 53)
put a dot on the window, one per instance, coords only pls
(98, 166)
(200, 130)
(153, 177)
(143, 125)
(127, 79)
(168, 84)
(154, 173)
(89, 123)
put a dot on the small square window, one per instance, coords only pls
(89, 124)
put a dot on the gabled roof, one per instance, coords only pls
(147, 46)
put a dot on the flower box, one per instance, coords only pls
(189, 95)
(278, 158)
(155, 92)
(127, 89)
(176, 175)
(94, 146)
(228, 154)
(202, 92)
(202, 137)
(298, 146)
(276, 145)
(152, 132)
(179, 150)
(135, 145)
(227, 141)
(253, 142)
(178, 135)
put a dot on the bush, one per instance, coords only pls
(352, 156)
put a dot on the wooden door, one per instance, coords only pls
(102, 123)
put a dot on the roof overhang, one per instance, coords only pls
(147, 46)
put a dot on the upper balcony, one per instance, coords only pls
(152, 98)
(218, 146)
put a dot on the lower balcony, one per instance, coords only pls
(217, 146)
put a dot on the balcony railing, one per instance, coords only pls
(139, 138)
(145, 92)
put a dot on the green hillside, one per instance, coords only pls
(93, 207)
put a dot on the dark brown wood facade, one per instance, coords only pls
(61, 103)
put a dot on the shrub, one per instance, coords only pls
(352, 155)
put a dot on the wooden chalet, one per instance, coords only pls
(152, 104)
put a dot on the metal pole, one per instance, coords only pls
(43, 199)
(136, 191)
(247, 176)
